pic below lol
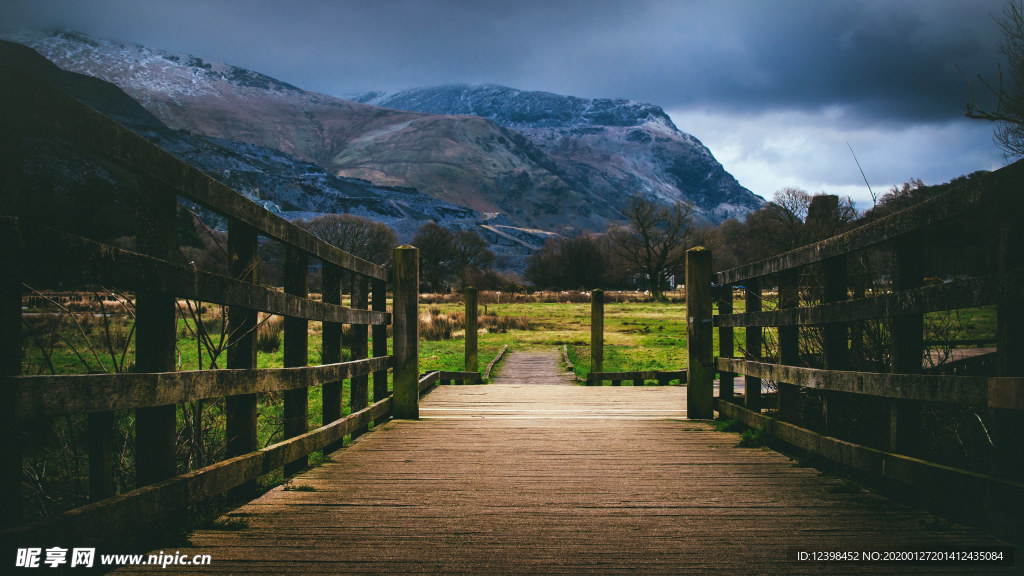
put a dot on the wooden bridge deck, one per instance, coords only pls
(523, 479)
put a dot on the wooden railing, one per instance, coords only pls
(831, 401)
(44, 256)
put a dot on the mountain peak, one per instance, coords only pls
(520, 108)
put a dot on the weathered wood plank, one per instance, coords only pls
(549, 493)
(118, 517)
(85, 261)
(659, 375)
(959, 293)
(48, 396)
(471, 377)
(967, 390)
(495, 360)
(968, 488)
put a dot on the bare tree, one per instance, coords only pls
(656, 240)
(1009, 91)
(359, 236)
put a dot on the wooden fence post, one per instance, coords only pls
(240, 410)
(836, 353)
(472, 357)
(10, 365)
(1009, 343)
(11, 123)
(752, 343)
(700, 378)
(155, 323)
(379, 303)
(789, 338)
(907, 330)
(596, 334)
(331, 392)
(406, 332)
(296, 351)
(359, 385)
(726, 347)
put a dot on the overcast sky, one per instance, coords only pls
(775, 88)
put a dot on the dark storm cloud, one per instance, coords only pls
(885, 61)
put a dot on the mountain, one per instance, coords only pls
(562, 172)
(66, 185)
(612, 147)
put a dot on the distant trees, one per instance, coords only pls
(450, 258)
(359, 236)
(792, 219)
(656, 240)
(1009, 108)
(568, 263)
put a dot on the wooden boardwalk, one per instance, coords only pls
(515, 478)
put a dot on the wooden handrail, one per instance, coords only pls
(48, 396)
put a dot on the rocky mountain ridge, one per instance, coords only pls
(613, 145)
(569, 167)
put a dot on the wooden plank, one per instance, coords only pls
(544, 493)
(495, 360)
(102, 136)
(680, 375)
(119, 517)
(971, 488)
(85, 261)
(427, 380)
(471, 377)
(997, 188)
(965, 390)
(1006, 393)
(49, 396)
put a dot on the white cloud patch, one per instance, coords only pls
(769, 151)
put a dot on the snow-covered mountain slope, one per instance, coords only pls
(545, 161)
(64, 181)
(614, 145)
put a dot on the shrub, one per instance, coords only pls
(268, 336)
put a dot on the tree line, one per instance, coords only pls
(646, 251)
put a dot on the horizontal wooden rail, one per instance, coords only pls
(118, 517)
(86, 261)
(495, 360)
(1003, 393)
(429, 379)
(1001, 186)
(43, 105)
(47, 396)
(962, 293)
(447, 376)
(979, 490)
(662, 376)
